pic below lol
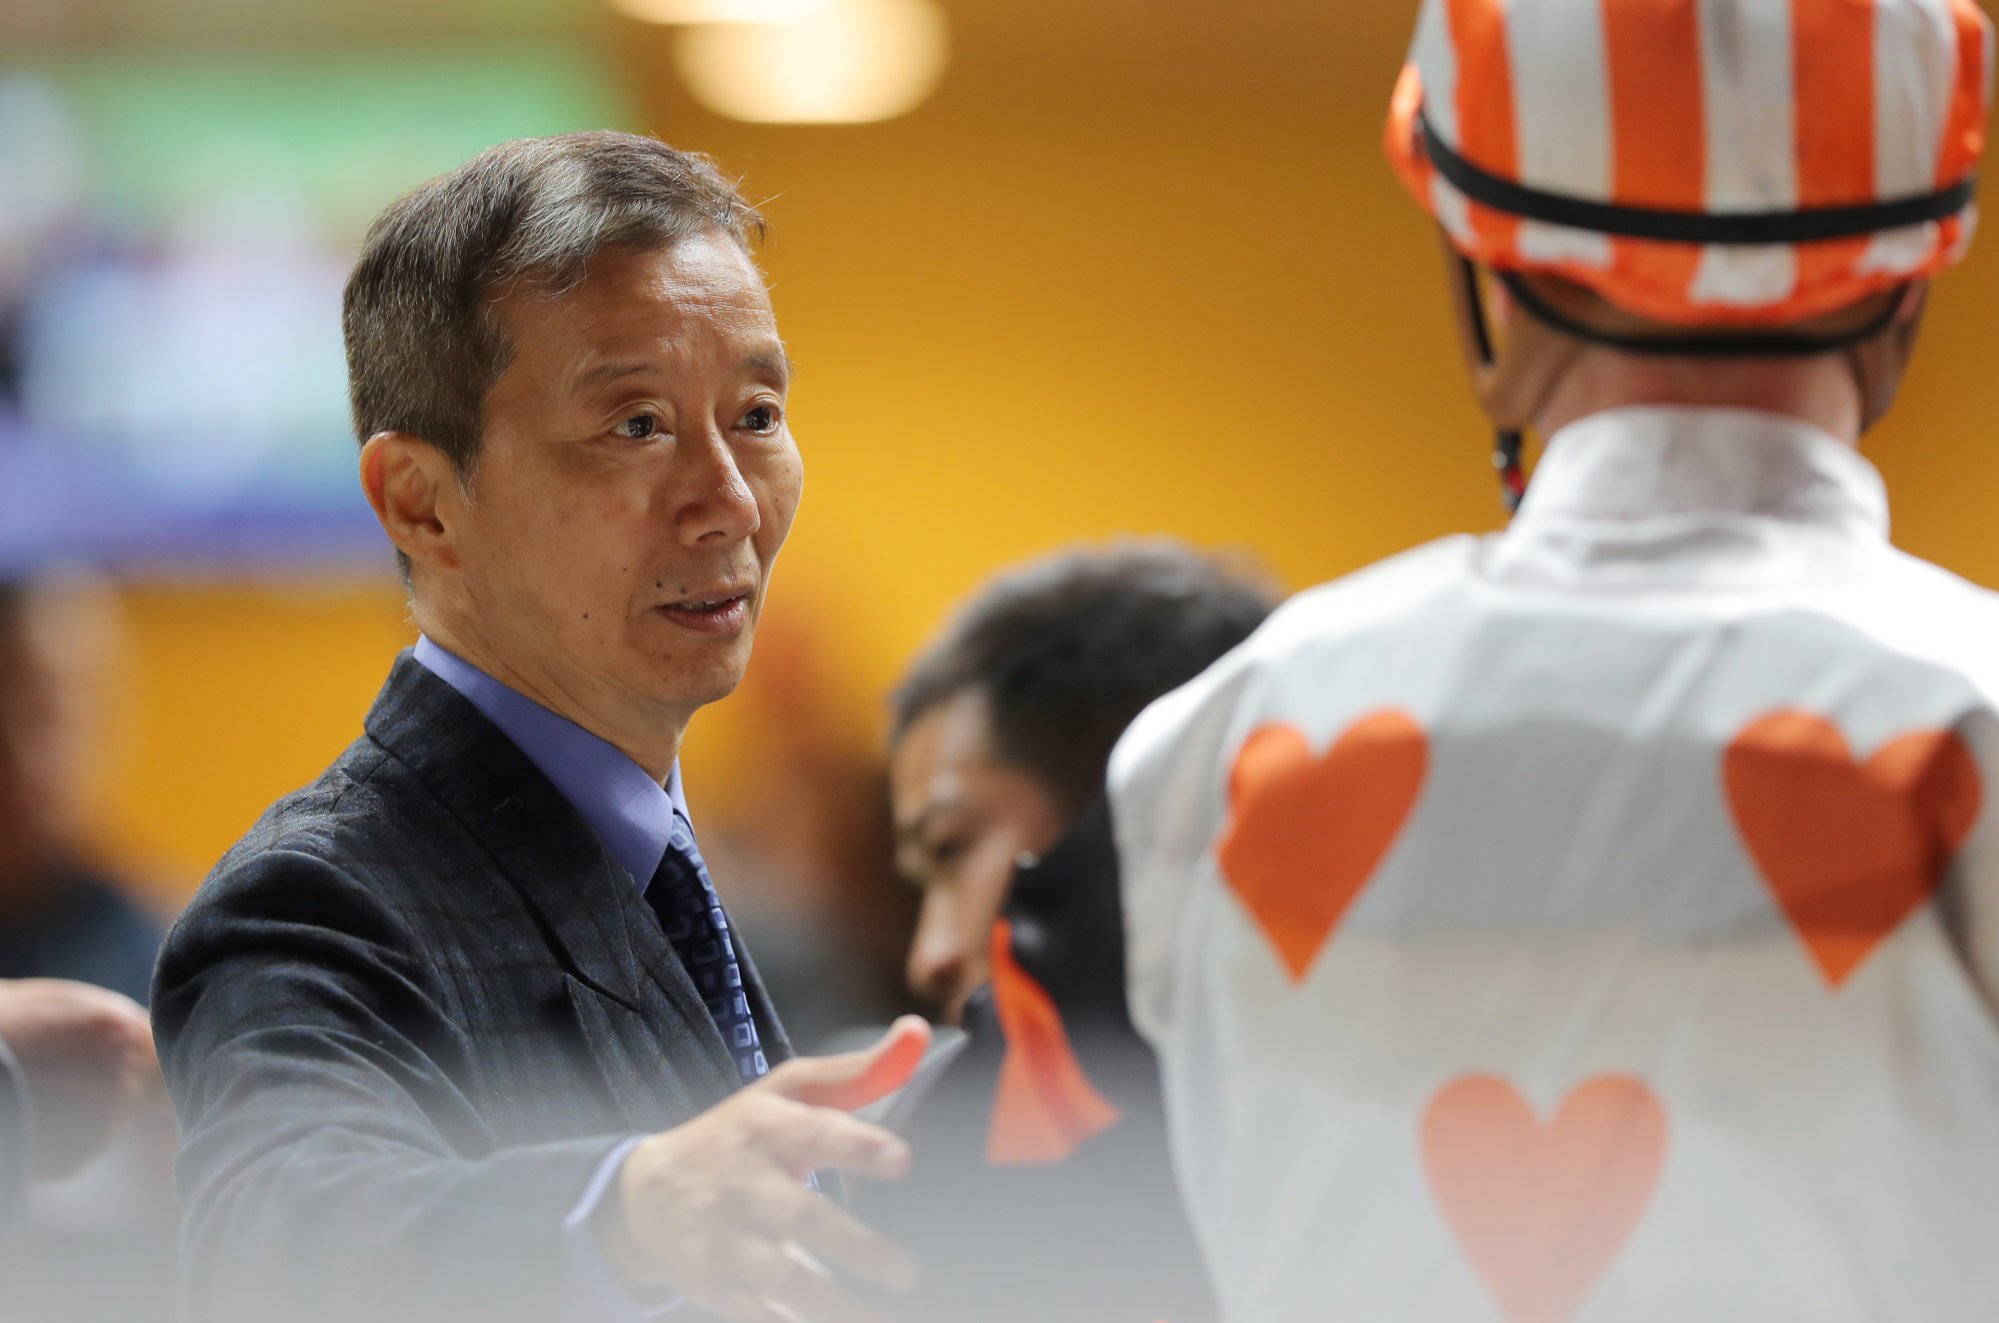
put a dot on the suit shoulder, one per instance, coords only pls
(295, 902)
(317, 840)
(351, 816)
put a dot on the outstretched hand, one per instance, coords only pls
(718, 1211)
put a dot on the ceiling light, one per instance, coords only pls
(719, 11)
(845, 62)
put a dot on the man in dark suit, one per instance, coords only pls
(462, 1030)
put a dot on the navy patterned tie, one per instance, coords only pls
(683, 896)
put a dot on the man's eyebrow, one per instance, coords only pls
(611, 370)
(779, 367)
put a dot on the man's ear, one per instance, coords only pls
(412, 487)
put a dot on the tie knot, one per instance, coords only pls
(681, 837)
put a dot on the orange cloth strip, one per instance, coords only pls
(1488, 122)
(1833, 54)
(1045, 1106)
(1658, 115)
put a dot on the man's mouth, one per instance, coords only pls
(720, 616)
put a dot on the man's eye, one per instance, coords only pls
(763, 418)
(639, 426)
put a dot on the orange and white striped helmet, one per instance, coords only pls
(1701, 162)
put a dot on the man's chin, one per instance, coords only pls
(690, 678)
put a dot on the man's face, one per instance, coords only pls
(962, 819)
(637, 477)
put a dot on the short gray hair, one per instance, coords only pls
(423, 348)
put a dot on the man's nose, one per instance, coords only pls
(713, 499)
(938, 961)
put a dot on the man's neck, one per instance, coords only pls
(1819, 391)
(654, 746)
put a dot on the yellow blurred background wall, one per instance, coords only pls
(1136, 267)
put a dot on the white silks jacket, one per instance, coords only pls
(1593, 923)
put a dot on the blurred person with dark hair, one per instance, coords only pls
(61, 915)
(1000, 731)
(463, 1030)
(1043, 1187)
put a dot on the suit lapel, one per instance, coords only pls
(652, 1080)
(670, 979)
(596, 923)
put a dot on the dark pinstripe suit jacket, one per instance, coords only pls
(403, 1022)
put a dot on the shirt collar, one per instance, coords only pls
(1642, 463)
(631, 813)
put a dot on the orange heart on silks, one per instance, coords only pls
(1306, 832)
(1849, 849)
(1542, 1210)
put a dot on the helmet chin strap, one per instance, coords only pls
(1514, 384)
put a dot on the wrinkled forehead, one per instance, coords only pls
(702, 291)
(944, 746)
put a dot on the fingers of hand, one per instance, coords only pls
(86, 1055)
(58, 1018)
(802, 1138)
(774, 1259)
(855, 1079)
(832, 1235)
(705, 1207)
